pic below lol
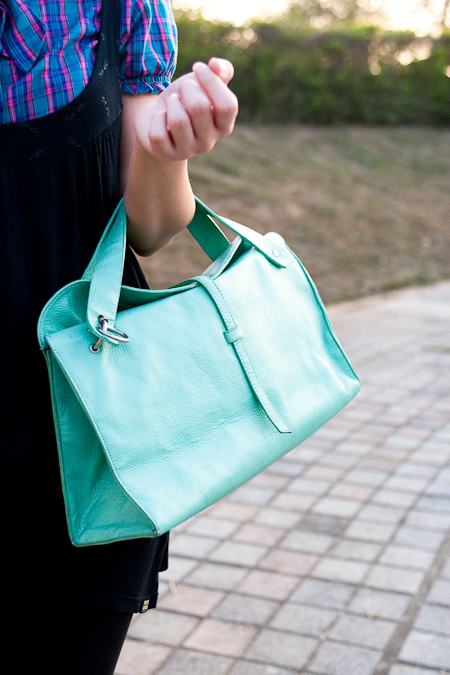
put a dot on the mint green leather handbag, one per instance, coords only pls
(165, 401)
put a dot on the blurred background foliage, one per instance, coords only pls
(326, 62)
(341, 145)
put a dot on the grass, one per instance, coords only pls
(365, 209)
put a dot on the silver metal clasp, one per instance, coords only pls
(108, 331)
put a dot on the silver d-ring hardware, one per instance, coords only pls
(110, 331)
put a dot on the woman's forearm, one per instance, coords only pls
(158, 200)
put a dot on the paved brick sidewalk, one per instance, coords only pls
(332, 561)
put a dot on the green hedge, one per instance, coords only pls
(289, 72)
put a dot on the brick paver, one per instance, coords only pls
(333, 560)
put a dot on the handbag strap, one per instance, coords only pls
(213, 241)
(105, 272)
(234, 335)
(106, 266)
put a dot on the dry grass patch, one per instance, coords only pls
(365, 209)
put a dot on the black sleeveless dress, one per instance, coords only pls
(58, 189)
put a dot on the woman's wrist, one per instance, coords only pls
(158, 200)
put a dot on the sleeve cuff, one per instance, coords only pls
(145, 84)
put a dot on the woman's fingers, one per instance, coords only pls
(157, 138)
(191, 115)
(180, 127)
(199, 108)
(224, 102)
(222, 67)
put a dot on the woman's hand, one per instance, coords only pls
(192, 114)
(159, 134)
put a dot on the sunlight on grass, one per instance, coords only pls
(365, 209)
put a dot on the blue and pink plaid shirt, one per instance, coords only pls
(47, 51)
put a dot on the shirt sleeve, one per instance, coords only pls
(148, 46)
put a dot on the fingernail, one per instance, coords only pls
(200, 66)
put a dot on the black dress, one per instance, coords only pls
(58, 188)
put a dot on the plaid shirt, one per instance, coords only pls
(47, 51)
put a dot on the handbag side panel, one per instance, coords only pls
(98, 511)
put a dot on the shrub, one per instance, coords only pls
(289, 72)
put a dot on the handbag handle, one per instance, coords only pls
(213, 241)
(106, 266)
